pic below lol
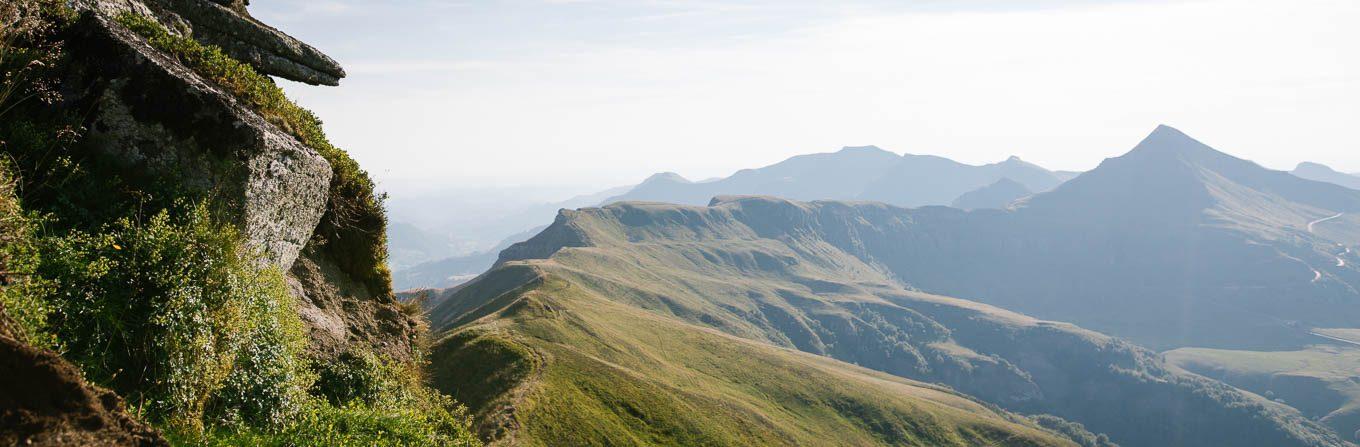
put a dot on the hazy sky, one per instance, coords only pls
(598, 93)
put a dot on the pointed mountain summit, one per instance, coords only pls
(1171, 244)
(1172, 178)
(1166, 140)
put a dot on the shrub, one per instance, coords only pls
(27, 49)
(23, 306)
(439, 424)
(360, 376)
(353, 227)
(176, 315)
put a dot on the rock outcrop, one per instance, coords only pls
(162, 121)
(227, 24)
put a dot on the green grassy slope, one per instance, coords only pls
(566, 366)
(760, 269)
(1321, 381)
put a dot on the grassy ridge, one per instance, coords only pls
(593, 371)
(763, 270)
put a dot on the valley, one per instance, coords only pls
(760, 269)
(187, 259)
(856, 282)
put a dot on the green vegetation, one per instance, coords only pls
(20, 293)
(569, 367)
(27, 51)
(1321, 381)
(350, 426)
(353, 228)
(1073, 430)
(173, 313)
(655, 318)
(148, 288)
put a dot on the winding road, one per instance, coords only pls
(1310, 224)
(1317, 276)
(1338, 339)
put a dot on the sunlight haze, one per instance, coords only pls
(592, 94)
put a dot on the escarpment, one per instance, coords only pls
(162, 120)
(179, 232)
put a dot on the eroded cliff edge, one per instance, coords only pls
(160, 114)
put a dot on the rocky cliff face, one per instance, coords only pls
(162, 121)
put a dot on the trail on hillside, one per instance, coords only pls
(1310, 224)
(1339, 339)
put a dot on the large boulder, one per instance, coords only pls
(160, 119)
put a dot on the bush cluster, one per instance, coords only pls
(23, 309)
(173, 311)
(438, 424)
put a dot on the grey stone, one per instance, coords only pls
(226, 24)
(160, 118)
(244, 38)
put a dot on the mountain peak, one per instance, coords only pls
(1015, 161)
(668, 177)
(863, 150)
(1167, 140)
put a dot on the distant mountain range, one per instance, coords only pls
(853, 173)
(1173, 244)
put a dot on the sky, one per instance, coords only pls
(560, 97)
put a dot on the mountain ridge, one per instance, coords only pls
(852, 173)
(1324, 173)
(793, 274)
